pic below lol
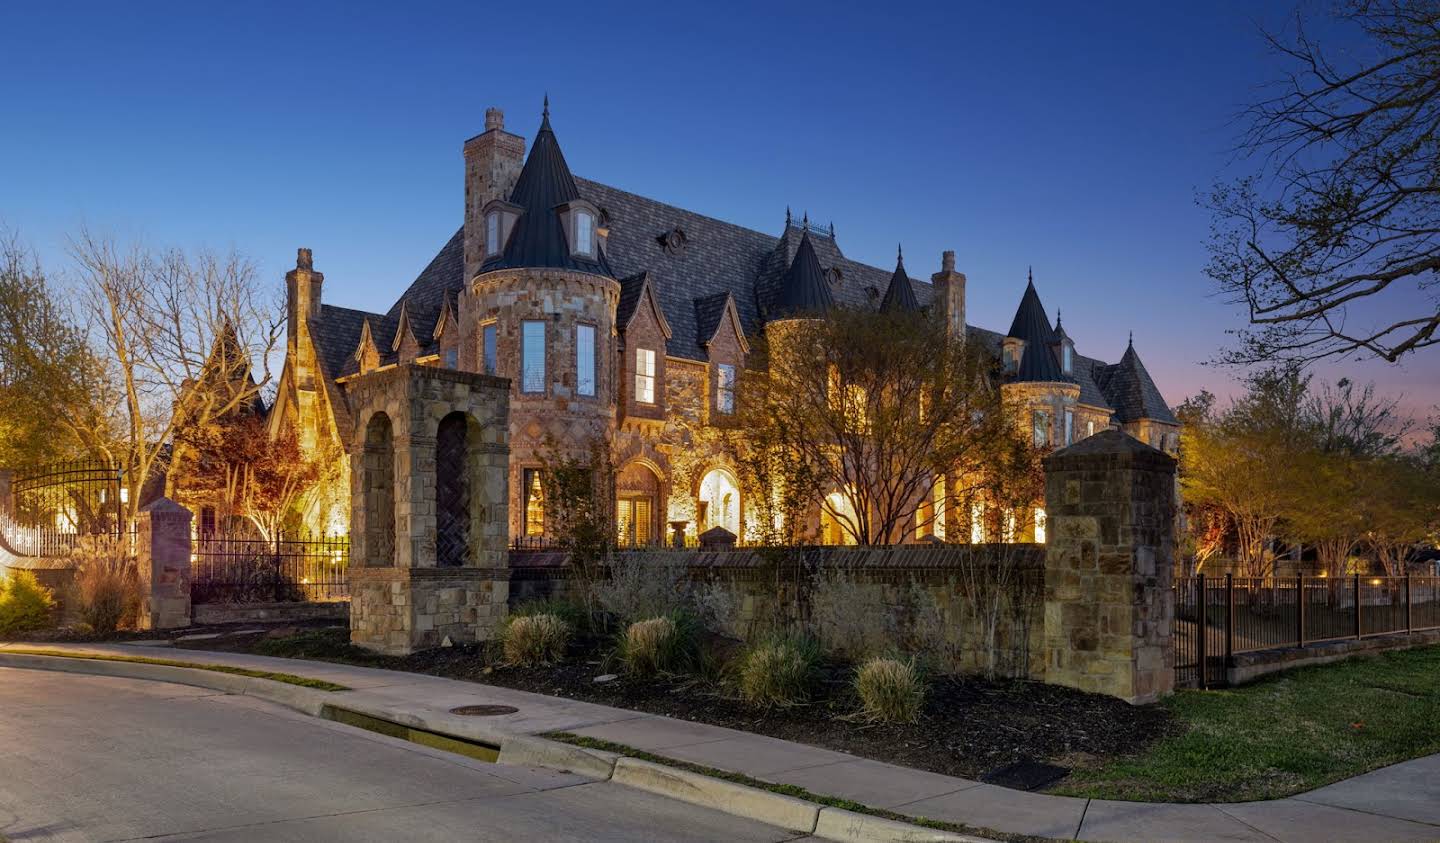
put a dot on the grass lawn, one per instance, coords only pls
(1284, 735)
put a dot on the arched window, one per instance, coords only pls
(452, 492)
(838, 520)
(379, 492)
(719, 502)
(637, 510)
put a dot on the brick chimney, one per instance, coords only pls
(492, 164)
(950, 295)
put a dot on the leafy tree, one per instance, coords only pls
(1336, 232)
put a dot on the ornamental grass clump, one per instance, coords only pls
(779, 671)
(890, 690)
(107, 593)
(656, 645)
(25, 604)
(535, 640)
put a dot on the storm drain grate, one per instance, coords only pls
(484, 710)
(1025, 775)
(434, 740)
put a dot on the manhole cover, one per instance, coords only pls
(1025, 775)
(484, 710)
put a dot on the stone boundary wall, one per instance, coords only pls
(1249, 666)
(218, 613)
(883, 581)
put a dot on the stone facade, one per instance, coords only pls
(163, 562)
(1109, 568)
(405, 594)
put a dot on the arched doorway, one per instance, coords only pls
(637, 506)
(379, 492)
(838, 519)
(452, 492)
(719, 502)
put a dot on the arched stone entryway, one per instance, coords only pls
(637, 506)
(718, 501)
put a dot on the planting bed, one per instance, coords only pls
(969, 726)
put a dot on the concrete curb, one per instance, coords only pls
(786, 812)
(850, 827)
(739, 800)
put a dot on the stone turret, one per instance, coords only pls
(950, 295)
(493, 160)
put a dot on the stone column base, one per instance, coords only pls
(397, 611)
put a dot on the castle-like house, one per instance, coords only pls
(617, 316)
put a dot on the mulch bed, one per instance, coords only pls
(970, 726)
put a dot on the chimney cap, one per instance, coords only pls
(494, 119)
(304, 259)
(947, 261)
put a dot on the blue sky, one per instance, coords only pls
(1068, 137)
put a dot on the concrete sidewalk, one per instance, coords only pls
(1397, 803)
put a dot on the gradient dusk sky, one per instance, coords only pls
(1069, 137)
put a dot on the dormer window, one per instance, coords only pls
(492, 233)
(584, 233)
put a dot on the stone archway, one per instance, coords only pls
(452, 492)
(718, 501)
(377, 478)
(637, 506)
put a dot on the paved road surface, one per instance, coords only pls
(100, 758)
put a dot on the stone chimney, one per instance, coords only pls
(302, 298)
(492, 164)
(950, 295)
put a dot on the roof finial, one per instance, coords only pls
(1132, 339)
(832, 229)
(1030, 274)
(806, 220)
(899, 253)
(546, 112)
(787, 216)
(1057, 318)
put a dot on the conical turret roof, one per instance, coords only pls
(1030, 323)
(538, 238)
(1132, 392)
(803, 291)
(899, 296)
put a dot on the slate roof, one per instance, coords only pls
(1038, 365)
(899, 295)
(690, 283)
(538, 236)
(1132, 393)
(804, 289)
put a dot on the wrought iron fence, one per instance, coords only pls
(240, 568)
(52, 508)
(1218, 617)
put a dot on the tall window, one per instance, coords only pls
(585, 359)
(532, 351)
(725, 388)
(584, 233)
(452, 358)
(1090, 427)
(487, 335)
(534, 503)
(1040, 425)
(645, 375)
(492, 233)
(1069, 427)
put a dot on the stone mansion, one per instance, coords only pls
(618, 316)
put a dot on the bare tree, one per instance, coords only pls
(1337, 231)
(181, 335)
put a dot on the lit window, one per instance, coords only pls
(492, 233)
(725, 388)
(977, 523)
(1040, 424)
(452, 359)
(1039, 526)
(645, 375)
(585, 359)
(1067, 357)
(487, 334)
(1090, 427)
(532, 351)
(534, 503)
(584, 233)
(1069, 427)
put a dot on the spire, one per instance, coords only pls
(1132, 392)
(787, 216)
(538, 237)
(900, 295)
(1060, 334)
(803, 291)
(1030, 323)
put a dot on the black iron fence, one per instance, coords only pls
(228, 568)
(53, 508)
(1218, 617)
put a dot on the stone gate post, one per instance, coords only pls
(1109, 566)
(163, 558)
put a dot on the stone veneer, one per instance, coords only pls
(402, 598)
(1109, 567)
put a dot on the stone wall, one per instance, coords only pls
(397, 611)
(894, 588)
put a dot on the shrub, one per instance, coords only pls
(25, 604)
(890, 690)
(849, 617)
(641, 586)
(107, 593)
(658, 645)
(572, 613)
(534, 640)
(779, 671)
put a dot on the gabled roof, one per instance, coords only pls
(1030, 323)
(804, 290)
(711, 313)
(899, 296)
(538, 237)
(636, 292)
(1132, 392)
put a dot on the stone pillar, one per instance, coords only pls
(1109, 564)
(163, 557)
